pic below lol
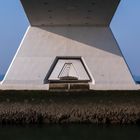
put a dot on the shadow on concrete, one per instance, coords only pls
(89, 38)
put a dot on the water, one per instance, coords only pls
(1, 77)
(137, 79)
(70, 132)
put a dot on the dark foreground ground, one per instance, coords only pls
(35, 107)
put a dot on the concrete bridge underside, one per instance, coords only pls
(70, 28)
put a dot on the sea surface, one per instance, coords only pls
(1, 77)
(70, 132)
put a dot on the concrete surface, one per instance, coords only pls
(96, 45)
(70, 12)
(46, 87)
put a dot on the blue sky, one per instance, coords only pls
(125, 26)
(13, 25)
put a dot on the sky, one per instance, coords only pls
(125, 26)
(13, 25)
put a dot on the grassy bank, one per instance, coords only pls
(32, 107)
